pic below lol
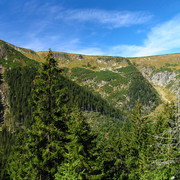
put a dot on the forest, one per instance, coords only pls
(60, 130)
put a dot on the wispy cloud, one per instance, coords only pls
(50, 24)
(89, 51)
(163, 38)
(113, 19)
(43, 25)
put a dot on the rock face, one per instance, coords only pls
(3, 52)
(3, 99)
(165, 79)
(60, 56)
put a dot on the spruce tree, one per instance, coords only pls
(59, 144)
(80, 159)
(165, 147)
(135, 143)
(43, 147)
(6, 141)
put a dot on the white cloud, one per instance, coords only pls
(163, 38)
(113, 19)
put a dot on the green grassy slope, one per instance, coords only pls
(163, 72)
(9, 57)
(111, 77)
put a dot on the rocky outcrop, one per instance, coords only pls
(4, 111)
(166, 79)
(59, 56)
(163, 78)
(3, 52)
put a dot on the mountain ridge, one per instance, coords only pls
(156, 69)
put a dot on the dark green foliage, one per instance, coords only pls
(83, 73)
(43, 143)
(80, 161)
(20, 81)
(55, 133)
(106, 88)
(128, 69)
(135, 141)
(128, 72)
(142, 91)
(88, 64)
(162, 69)
(58, 143)
(177, 71)
(107, 76)
(13, 58)
(123, 146)
(125, 86)
(109, 145)
(65, 70)
(165, 161)
(127, 149)
(6, 142)
(86, 100)
(174, 65)
(118, 95)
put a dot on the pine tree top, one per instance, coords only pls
(50, 60)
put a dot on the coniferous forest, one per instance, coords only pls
(60, 130)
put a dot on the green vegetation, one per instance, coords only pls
(162, 69)
(170, 84)
(107, 88)
(125, 86)
(6, 142)
(107, 76)
(20, 81)
(61, 130)
(118, 95)
(177, 71)
(85, 74)
(142, 91)
(48, 143)
(167, 64)
(9, 57)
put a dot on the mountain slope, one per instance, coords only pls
(10, 57)
(111, 77)
(163, 72)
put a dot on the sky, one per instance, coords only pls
(128, 28)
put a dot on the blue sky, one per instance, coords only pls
(93, 27)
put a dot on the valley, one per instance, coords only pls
(87, 117)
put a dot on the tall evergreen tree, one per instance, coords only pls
(165, 160)
(135, 143)
(44, 141)
(6, 141)
(80, 161)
